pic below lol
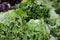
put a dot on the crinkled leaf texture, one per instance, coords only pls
(10, 24)
(37, 30)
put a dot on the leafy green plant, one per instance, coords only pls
(35, 10)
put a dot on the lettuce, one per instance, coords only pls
(32, 20)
